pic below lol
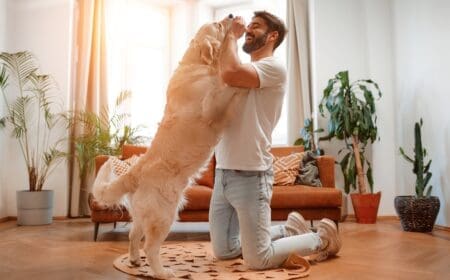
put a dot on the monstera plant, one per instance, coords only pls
(352, 119)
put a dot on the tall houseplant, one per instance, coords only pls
(351, 108)
(101, 134)
(32, 117)
(419, 212)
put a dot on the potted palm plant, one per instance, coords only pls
(31, 117)
(101, 134)
(351, 107)
(419, 212)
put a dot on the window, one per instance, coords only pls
(143, 49)
(139, 58)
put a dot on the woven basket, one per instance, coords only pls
(417, 214)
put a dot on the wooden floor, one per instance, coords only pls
(65, 250)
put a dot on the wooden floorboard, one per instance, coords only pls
(65, 250)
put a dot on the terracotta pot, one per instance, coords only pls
(366, 207)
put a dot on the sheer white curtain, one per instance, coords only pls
(298, 65)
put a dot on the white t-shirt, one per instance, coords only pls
(246, 142)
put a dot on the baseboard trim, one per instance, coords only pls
(14, 218)
(352, 218)
(444, 228)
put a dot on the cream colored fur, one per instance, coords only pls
(198, 108)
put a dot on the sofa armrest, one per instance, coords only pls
(99, 161)
(325, 165)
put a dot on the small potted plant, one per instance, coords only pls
(419, 212)
(351, 107)
(307, 137)
(32, 116)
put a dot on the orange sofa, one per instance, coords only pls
(312, 202)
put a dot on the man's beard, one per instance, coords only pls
(257, 43)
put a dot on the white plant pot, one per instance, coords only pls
(34, 208)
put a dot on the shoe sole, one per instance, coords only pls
(330, 226)
(299, 222)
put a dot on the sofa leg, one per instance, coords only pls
(96, 230)
(115, 225)
(312, 223)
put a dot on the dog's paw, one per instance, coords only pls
(165, 274)
(135, 262)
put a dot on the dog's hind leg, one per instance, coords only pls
(155, 234)
(135, 237)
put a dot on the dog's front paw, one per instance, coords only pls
(165, 274)
(135, 262)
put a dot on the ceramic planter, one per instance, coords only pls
(34, 208)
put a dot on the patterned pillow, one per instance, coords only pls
(286, 169)
(120, 167)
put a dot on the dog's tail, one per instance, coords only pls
(109, 189)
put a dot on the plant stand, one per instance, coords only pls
(34, 208)
(417, 214)
(366, 207)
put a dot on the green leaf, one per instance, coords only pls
(428, 193)
(402, 152)
(299, 142)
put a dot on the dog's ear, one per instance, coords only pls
(208, 49)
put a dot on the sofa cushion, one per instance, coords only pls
(298, 196)
(286, 168)
(130, 150)
(207, 176)
(197, 198)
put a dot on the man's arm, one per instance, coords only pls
(233, 72)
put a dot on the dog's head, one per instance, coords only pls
(208, 40)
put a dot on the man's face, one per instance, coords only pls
(256, 35)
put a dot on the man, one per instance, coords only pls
(239, 214)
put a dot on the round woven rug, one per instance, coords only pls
(194, 260)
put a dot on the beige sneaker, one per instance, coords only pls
(296, 224)
(331, 242)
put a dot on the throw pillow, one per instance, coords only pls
(286, 169)
(120, 167)
(308, 171)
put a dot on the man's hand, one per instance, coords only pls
(238, 27)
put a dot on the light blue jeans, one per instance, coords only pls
(240, 221)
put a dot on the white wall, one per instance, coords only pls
(339, 42)
(403, 45)
(422, 58)
(3, 28)
(42, 27)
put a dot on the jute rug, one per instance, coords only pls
(194, 260)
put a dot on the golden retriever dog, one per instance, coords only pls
(199, 105)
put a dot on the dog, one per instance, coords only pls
(199, 106)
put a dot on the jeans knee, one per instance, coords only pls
(222, 254)
(257, 263)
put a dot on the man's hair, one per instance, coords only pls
(274, 24)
